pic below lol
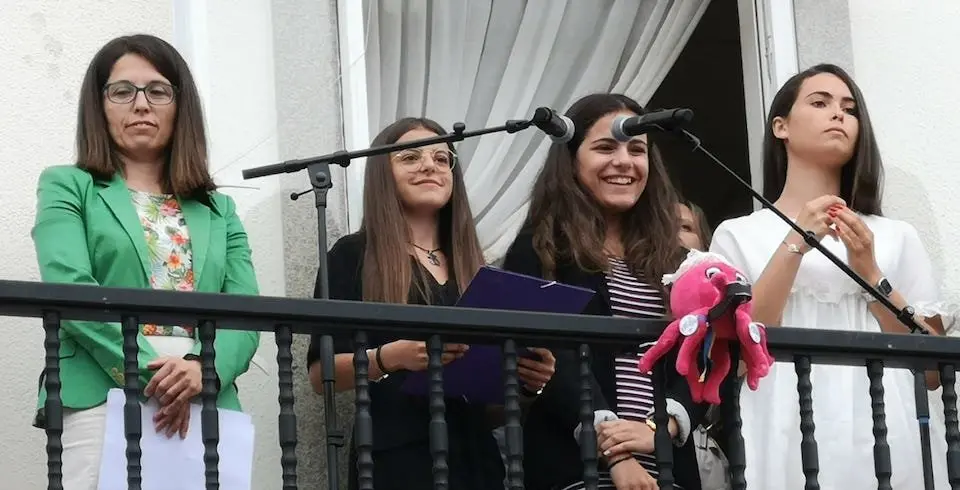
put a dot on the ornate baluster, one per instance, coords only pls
(733, 423)
(363, 431)
(130, 327)
(588, 433)
(948, 379)
(209, 417)
(287, 420)
(53, 407)
(513, 432)
(922, 401)
(808, 443)
(663, 446)
(438, 421)
(881, 450)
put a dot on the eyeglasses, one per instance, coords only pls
(414, 158)
(124, 92)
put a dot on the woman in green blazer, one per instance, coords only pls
(138, 210)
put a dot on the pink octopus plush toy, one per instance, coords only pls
(711, 301)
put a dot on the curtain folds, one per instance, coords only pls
(483, 62)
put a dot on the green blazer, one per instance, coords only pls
(87, 232)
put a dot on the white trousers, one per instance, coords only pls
(83, 430)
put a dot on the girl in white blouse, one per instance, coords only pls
(822, 168)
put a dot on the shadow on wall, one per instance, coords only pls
(910, 189)
(258, 386)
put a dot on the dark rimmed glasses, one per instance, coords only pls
(124, 92)
(413, 159)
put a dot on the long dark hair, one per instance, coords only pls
(861, 178)
(186, 173)
(387, 270)
(567, 223)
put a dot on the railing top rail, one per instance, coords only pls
(305, 316)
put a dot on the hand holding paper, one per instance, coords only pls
(177, 380)
(175, 383)
(411, 355)
(478, 376)
(535, 372)
(175, 463)
(173, 419)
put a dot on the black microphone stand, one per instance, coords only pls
(318, 169)
(905, 315)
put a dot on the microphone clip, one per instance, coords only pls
(297, 195)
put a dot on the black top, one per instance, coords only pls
(401, 422)
(551, 455)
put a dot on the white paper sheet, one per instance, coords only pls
(175, 463)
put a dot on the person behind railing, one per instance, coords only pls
(822, 167)
(695, 231)
(603, 215)
(417, 244)
(139, 209)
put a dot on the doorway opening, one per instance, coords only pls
(708, 77)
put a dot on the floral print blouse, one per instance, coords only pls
(168, 246)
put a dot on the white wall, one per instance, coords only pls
(907, 62)
(44, 50)
(229, 45)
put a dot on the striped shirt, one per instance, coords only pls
(631, 297)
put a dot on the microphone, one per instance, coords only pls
(559, 127)
(626, 127)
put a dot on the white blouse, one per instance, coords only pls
(823, 297)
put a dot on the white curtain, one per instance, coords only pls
(483, 62)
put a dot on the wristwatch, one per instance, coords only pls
(193, 357)
(883, 286)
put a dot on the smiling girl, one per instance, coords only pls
(603, 215)
(417, 244)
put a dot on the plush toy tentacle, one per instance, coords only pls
(753, 341)
(695, 330)
(666, 342)
(721, 366)
(742, 335)
(696, 387)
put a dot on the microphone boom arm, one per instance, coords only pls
(343, 158)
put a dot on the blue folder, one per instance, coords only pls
(478, 375)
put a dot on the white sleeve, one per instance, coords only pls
(916, 280)
(725, 243)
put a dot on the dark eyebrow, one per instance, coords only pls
(828, 95)
(157, 80)
(612, 141)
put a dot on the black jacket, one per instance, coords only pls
(401, 422)
(551, 455)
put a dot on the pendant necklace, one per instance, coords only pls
(431, 254)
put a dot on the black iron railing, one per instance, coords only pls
(284, 316)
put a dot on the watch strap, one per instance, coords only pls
(194, 357)
(882, 286)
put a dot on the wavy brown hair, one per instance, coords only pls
(185, 173)
(861, 178)
(567, 223)
(387, 265)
